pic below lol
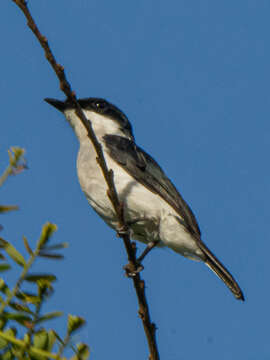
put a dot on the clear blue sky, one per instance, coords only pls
(193, 78)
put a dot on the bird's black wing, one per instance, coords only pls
(146, 171)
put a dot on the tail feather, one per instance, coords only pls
(215, 265)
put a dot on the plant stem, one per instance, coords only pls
(20, 280)
(5, 175)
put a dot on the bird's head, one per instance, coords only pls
(105, 117)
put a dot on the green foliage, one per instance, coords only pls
(12, 252)
(22, 324)
(74, 323)
(16, 165)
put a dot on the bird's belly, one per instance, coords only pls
(150, 218)
(175, 236)
(142, 207)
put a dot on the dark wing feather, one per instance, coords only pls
(146, 171)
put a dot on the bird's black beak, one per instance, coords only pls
(59, 105)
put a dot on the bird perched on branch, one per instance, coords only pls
(155, 211)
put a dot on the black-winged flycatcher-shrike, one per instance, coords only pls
(155, 210)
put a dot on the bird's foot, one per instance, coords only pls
(146, 251)
(133, 270)
(126, 229)
(123, 231)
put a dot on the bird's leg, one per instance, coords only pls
(140, 267)
(125, 230)
(148, 248)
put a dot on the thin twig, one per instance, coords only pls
(62, 346)
(36, 316)
(5, 175)
(149, 327)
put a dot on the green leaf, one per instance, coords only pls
(28, 297)
(12, 252)
(27, 339)
(46, 233)
(3, 342)
(6, 208)
(37, 277)
(12, 339)
(74, 323)
(4, 267)
(49, 316)
(15, 153)
(58, 337)
(27, 246)
(50, 256)
(83, 352)
(3, 323)
(19, 353)
(39, 354)
(20, 307)
(40, 339)
(4, 288)
(8, 355)
(51, 340)
(59, 246)
(45, 288)
(18, 317)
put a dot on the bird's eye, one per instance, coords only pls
(100, 105)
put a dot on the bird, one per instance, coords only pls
(154, 209)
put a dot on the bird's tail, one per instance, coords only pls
(215, 265)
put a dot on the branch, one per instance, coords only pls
(149, 327)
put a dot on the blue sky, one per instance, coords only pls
(193, 78)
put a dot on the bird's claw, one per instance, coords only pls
(131, 270)
(123, 231)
